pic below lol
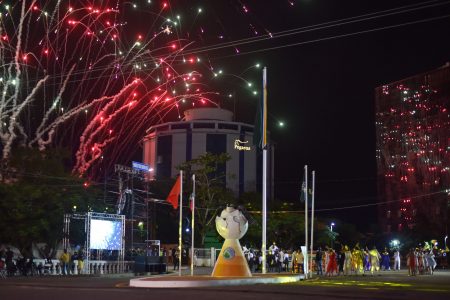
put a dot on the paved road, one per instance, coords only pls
(389, 285)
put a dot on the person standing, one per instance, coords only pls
(357, 259)
(251, 260)
(397, 260)
(286, 261)
(300, 258)
(411, 262)
(176, 261)
(318, 259)
(65, 260)
(341, 260)
(374, 260)
(332, 264)
(431, 262)
(9, 255)
(366, 260)
(385, 260)
(80, 262)
(348, 260)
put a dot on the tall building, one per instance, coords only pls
(208, 130)
(413, 152)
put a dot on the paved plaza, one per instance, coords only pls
(387, 285)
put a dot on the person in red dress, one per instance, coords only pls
(411, 262)
(332, 264)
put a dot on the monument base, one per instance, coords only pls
(208, 281)
(231, 261)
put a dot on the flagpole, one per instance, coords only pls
(306, 269)
(192, 225)
(312, 215)
(180, 231)
(264, 177)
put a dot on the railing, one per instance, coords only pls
(205, 257)
(100, 267)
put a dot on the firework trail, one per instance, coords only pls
(74, 73)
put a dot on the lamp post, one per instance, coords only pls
(332, 237)
(445, 242)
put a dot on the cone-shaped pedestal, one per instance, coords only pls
(231, 261)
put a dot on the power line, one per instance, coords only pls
(339, 36)
(352, 206)
(325, 25)
(320, 26)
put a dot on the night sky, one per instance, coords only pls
(324, 91)
(321, 80)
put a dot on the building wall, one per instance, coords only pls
(178, 151)
(233, 163)
(191, 142)
(413, 151)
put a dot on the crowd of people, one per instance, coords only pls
(346, 260)
(26, 265)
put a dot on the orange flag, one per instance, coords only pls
(174, 194)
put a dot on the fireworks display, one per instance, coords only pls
(94, 75)
(413, 147)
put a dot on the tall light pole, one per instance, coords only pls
(332, 238)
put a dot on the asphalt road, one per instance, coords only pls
(389, 285)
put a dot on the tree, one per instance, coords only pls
(36, 190)
(210, 191)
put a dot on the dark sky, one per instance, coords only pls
(324, 91)
(322, 87)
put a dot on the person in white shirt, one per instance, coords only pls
(286, 261)
(397, 260)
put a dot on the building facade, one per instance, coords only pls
(212, 130)
(413, 152)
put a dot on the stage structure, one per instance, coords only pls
(103, 232)
(132, 202)
(66, 228)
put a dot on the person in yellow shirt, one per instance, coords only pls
(65, 260)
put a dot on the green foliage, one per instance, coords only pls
(210, 191)
(36, 190)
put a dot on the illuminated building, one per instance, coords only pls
(212, 130)
(413, 151)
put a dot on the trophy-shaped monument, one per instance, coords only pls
(231, 225)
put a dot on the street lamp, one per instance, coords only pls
(395, 243)
(331, 235)
(445, 242)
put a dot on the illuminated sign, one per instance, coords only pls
(240, 145)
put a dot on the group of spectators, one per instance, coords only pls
(67, 262)
(277, 259)
(23, 265)
(26, 266)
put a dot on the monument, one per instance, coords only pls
(231, 266)
(231, 225)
